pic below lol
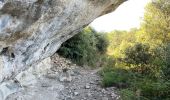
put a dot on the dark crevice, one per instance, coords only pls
(7, 52)
(12, 55)
(46, 47)
(4, 50)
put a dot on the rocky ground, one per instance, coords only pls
(65, 81)
(85, 85)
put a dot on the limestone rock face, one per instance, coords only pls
(32, 30)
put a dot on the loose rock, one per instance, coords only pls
(76, 93)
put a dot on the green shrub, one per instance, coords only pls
(135, 86)
(102, 43)
(155, 90)
(115, 77)
(148, 89)
(108, 79)
(127, 94)
(107, 62)
(84, 48)
(138, 55)
(166, 56)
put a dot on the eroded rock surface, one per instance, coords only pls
(32, 30)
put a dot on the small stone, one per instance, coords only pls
(113, 95)
(62, 97)
(68, 98)
(87, 87)
(105, 98)
(53, 88)
(76, 93)
(108, 93)
(45, 85)
(51, 76)
(91, 82)
(64, 78)
(103, 91)
(66, 88)
(71, 73)
(70, 91)
(89, 94)
(19, 98)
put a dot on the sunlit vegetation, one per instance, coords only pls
(85, 48)
(137, 62)
(145, 55)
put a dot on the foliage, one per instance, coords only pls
(134, 86)
(155, 27)
(127, 94)
(119, 41)
(145, 55)
(102, 43)
(85, 47)
(115, 77)
(137, 54)
(155, 90)
(166, 60)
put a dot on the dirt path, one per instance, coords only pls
(84, 84)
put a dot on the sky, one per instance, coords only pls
(128, 15)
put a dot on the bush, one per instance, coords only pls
(102, 43)
(135, 86)
(107, 62)
(156, 90)
(138, 55)
(127, 94)
(166, 68)
(144, 88)
(115, 77)
(84, 48)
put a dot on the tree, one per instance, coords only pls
(137, 55)
(156, 23)
(85, 47)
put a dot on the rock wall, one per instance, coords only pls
(32, 30)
